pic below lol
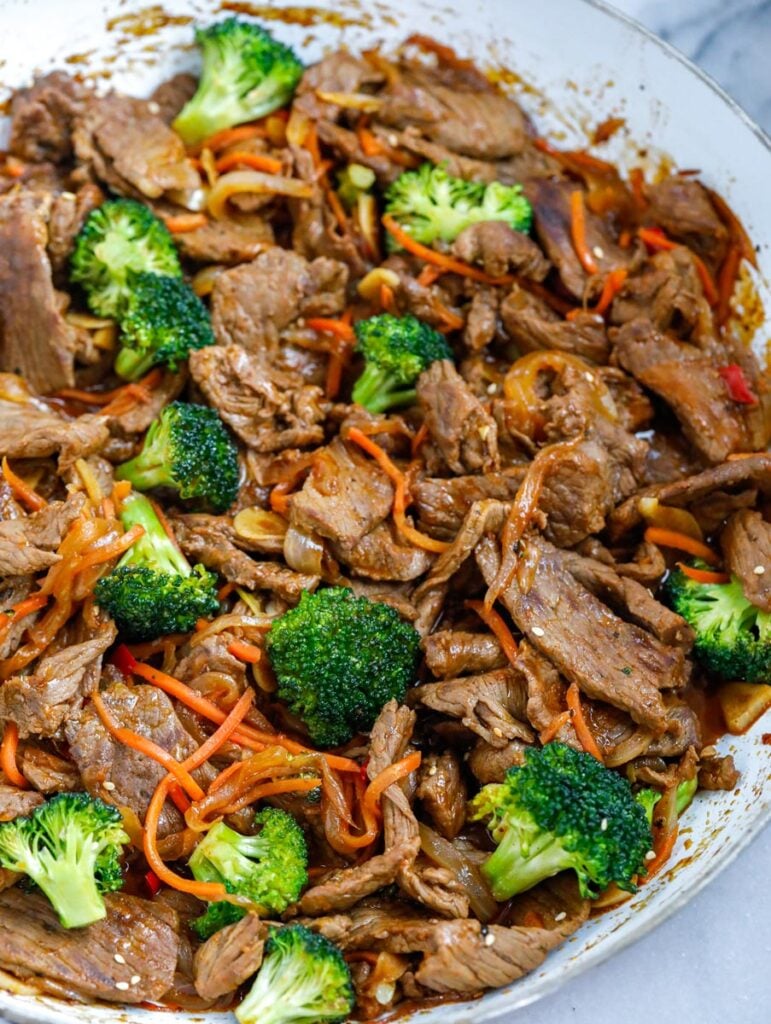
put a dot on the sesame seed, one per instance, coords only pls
(122, 985)
(109, 786)
(561, 916)
(497, 732)
(589, 377)
(393, 140)
(598, 252)
(492, 388)
(384, 993)
(153, 107)
(604, 825)
(484, 431)
(650, 855)
(490, 939)
(119, 958)
(537, 631)
(135, 979)
(432, 770)
(759, 570)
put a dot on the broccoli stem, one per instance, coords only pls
(510, 873)
(72, 890)
(152, 467)
(131, 365)
(155, 549)
(378, 390)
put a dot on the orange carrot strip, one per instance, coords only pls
(551, 730)
(637, 187)
(222, 734)
(702, 575)
(245, 652)
(419, 439)
(386, 297)
(337, 209)
(386, 778)
(497, 626)
(19, 611)
(228, 136)
(14, 167)
(22, 491)
(339, 328)
(103, 554)
(610, 289)
(257, 161)
(682, 542)
(663, 853)
(726, 281)
(655, 238)
(583, 732)
(8, 748)
(438, 259)
(370, 144)
(735, 227)
(429, 275)
(225, 591)
(532, 919)
(181, 223)
(578, 232)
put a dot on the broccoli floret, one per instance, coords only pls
(70, 847)
(189, 450)
(119, 239)
(733, 636)
(352, 181)
(396, 350)
(338, 659)
(649, 797)
(153, 590)
(432, 205)
(269, 869)
(246, 74)
(303, 977)
(164, 321)
(562, 810)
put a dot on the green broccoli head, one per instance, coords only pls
(562, 810)
(120, 239)
(189, 450)
(432, 205)
(153, 590)
(246, 74)
(70, 847)
(303, 977)
(733, 636)
(338, 659)
(396, 350)
(164, 321)
(269, 869)
(649, 797)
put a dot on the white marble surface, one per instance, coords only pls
(710, 963)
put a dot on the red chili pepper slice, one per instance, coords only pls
(124, 660)
(737, 384)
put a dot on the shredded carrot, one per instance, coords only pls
(429, 275)
(655, 239)
(387, 298)
(279, 497)
(340, 328)
(532, 919)
(223, 733)
(702, 575)
(99, 555)
(735, 227)
(726, 282)
(625, 239)
(735, 456)
(19, 611)
(450, 321)
(420, 438)
(551, 730)
(21, 490)
(225, 591)
(337, 209)
(257, 161)
(438, 259)
(283, 786)
(370, 144)
(614, 282)
(220, 140)
(129, 395)
(663, 853)
(583, 732)
(682, 542)
(120, 491)
(497, 627)
(8, 749)
(14, 167)
(245, 652)
(396, 476)
(342, 331)
(444, 54)
(578, 232)
(181, 223)
(386, 778)
(637, 187)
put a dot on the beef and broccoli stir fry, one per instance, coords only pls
(383, 526)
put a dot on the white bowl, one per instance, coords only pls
(584, 62)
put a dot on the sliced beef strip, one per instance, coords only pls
(458, 424)
(15, 803)
(29, 545)
(492, 705)
(42, 702)
(426, 302)
(546, 694)
(206, 539)
(690, 384)
(171, 96)
(341, 72)
(81, 962)
(252, 304)
(490, 764)
(139, 417)
(434, 887)
(381, 555)
(577, 493)
(226, 242)
(42, 117)
(342, 889)
(345, 496)
(27, 432)
(443, 503)
(583, 336)
(718, 773)
(269, 409)
(481, 319)
(443, 792)
(67, 215)
(455, 652)
(610, 660)
(682, 207)
(47, 772)
(131, 149)
(746, 544)
(230, 957)
(498, 249)
(35, 340)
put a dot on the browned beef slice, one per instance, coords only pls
(443, 503)
(577, 494)
(492, 704)
(344, 497)
(340, 71)
(746, 544)
(455, 652)
(427, 302)
(225, 242)
(35, 340)
(546, 691)
(28, 545)
(583, 336)
(47, 772)
(499, 249)
(490, 764)
(139, 417)
(434, 887)
(207, 539)
(14, 802)
(132, 149)
(229, 957)
(466, 435)
(81, 962)
(468, 117)
(171, 96)
(382, 555)
(718, 772)
(102, 759)
(269, 410)
(41, 702)
(252, 304)
(683, 209)
(68, 212)
(443, 792)
(694, 491)
(42, 117)
(342, 889)
(481, 319)
(688, 382)
(29, 433)
(609, 659)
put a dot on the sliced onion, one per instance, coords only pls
(669, 518)
(297, 127)
(302, 552)
(370, 285)
(265, 530)
(351, 100)
(244, 623)
(443, 853)
(630, 748)
(237, 182)
(190, 198)
(203, 282)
